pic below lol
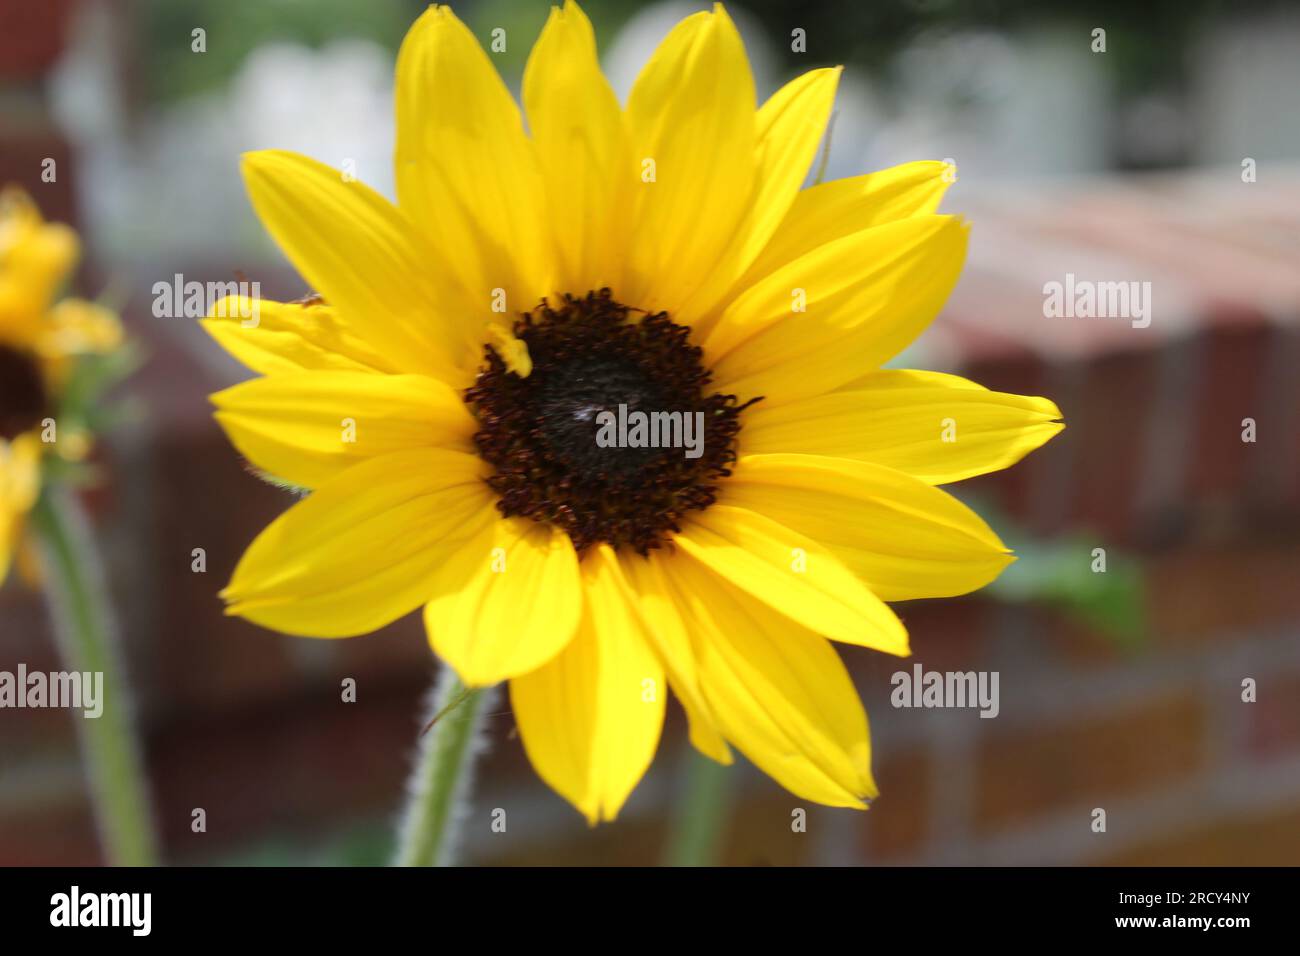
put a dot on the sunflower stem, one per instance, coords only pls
(440, 784)
(86, 634)
(695, 838)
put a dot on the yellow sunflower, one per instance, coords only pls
(39, 341)
(444, 390)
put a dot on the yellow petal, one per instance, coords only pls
(78, 327)
(577, 129)
(789, 128)
(360, 254)
(641, 582)
(906, 539)
(892, 378)
(306, 427)
(511, 350)
(793, 574)
(20, 471)
(590, 718)
(467, 175)
(8, 538)
(270, 337)
(364, 549)
(508, 603)
(27, 560)
(20, 480)
(924, 424)
(691, 115)
(35, 260)
(833, 210)
(780, 692)
(867, 296)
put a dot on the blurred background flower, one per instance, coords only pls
(1169, 155)
(58, 355)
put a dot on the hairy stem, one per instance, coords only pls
(439, 789)
(86, 633)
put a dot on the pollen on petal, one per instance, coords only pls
(513, 351)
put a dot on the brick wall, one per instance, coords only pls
(250, 726)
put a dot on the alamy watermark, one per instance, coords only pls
(1085, 299)
(922, 688)
(638, 429)
(76, 690)
(179, 299)
(132, 911)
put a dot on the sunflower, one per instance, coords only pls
(440, 395)
(40, 341)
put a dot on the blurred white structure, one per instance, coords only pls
(1009, 110)
(169, 185)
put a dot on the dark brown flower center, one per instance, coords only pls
(614, 435)
(23, 400)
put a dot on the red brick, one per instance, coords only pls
(1203, 593)
(759, 831)
(946, 634)
(31, 36)
(59, 833)
(1087, 761)
(898, 821)
(629, 842)
(1073, 640)
(950, 634)
(1110, 435)
(1266, 839)
(298, 765)
(26, 628)
(1273, 720)
(1236, 357)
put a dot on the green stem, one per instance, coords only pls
(443, 775)
(84, 628)
(700, 820)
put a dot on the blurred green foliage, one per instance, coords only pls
(1147, 42)
(1060, 573)
(364, 844)
(87, 405)
(171, 70)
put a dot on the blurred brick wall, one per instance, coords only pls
(250, 725)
